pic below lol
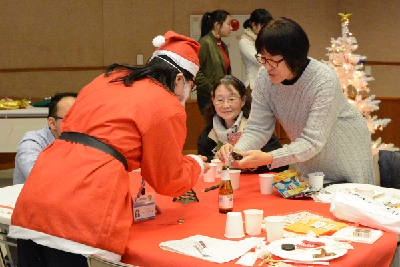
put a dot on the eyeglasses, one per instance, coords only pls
(272, 63)
(231, 100)
(58, 118)
(194, 87)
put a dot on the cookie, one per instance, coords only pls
(288, 247)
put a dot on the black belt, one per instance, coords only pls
(88, 140)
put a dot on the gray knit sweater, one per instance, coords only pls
(327, 133)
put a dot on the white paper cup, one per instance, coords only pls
(274, 226)
(234, 225)
(234, 175)
(366, 191)
(209, 176)
(266, 181)
(219, 167)
(316, 181)
(253, 220)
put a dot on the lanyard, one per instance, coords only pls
(142, 190)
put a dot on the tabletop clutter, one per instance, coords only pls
(301, 237)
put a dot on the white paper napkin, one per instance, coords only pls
(222, 250)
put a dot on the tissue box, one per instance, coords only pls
(364, 233)
(144, 207)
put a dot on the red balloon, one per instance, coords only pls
(235, 25)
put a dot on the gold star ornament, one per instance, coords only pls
(345, 16)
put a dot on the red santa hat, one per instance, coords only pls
(182, 50)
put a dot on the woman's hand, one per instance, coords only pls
(252, 159)
(224, 152)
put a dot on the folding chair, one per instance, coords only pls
(97, 261)
(389, 168)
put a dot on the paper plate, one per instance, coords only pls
(306, 254)
(333, 188)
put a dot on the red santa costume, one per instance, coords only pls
(77, 198)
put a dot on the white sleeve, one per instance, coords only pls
(248, 51)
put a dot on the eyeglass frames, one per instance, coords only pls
(271, 62)
(231, 100)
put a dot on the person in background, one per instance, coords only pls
(247, 48)
(33, 142)
(226, 116)
(213, 55)
(327, 133)
(76, 200)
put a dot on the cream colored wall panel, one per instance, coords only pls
(12, 130)
(71, 33)
(50, 33)
(387, 81)
(376, 25)
(131, 25)
(183, 9)
(44, 84)
(319, 20)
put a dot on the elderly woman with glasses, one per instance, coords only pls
(226, 116)
(327, 133)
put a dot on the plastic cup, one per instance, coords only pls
(266, 181)
(274, 226)
(366, 191)
(219, 167)
(234, 225)
(253, 220)
(234, 176)
(209, 176)
(316, 181)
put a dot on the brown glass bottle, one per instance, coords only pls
(225, 193)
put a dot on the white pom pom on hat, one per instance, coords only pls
(181, 49)
(158, 41)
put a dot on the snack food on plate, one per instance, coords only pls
(324, 254)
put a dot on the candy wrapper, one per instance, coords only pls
(293, 186)
(285, 175)
(7, 103)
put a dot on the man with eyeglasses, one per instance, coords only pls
(33, 142)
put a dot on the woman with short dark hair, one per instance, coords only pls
(327, 133)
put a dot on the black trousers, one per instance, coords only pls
(31, 254)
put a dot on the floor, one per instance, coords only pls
(6, 177)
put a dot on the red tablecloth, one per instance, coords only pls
(203, 218)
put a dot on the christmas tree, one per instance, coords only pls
(354, 80)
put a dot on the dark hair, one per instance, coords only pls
(285, 37)
(160, 68)
(227, 80)
(258, 16)
(209, 19)
(53, 105)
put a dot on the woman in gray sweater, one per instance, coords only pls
(327, 133)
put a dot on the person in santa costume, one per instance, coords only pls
(76, 201)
